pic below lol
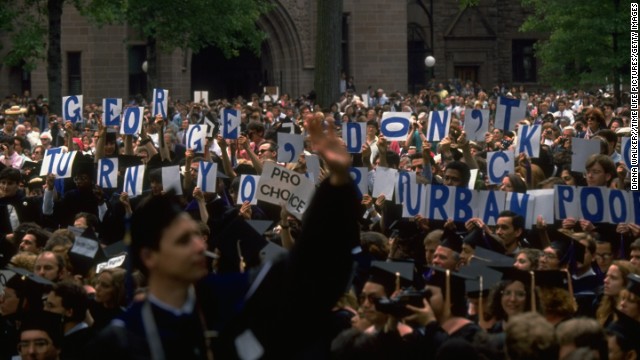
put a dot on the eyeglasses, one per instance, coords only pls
(549, 255)
(193, 169)
(567, 178)
(40, 345)
(518, 293)
(604, 255)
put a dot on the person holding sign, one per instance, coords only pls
(302, 282)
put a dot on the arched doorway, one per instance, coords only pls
(227, 78)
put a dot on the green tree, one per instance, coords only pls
(328, 51)
(166, 25)
(35, 28)
(588, 43)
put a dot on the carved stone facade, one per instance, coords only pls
(384, 46)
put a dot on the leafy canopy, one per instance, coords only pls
(194, 24)
(580, 48)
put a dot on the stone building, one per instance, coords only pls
(384, 45)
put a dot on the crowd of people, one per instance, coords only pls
(90, 272)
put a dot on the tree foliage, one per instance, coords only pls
(34, 26)
(228, 25)
(25, 22)
(588, 43)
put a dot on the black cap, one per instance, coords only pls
(437, 276)
(392, 275)
(271, 251)
(115, 249)
(240, 245)
(111, 136)
(46, 321)
(486, 279)
(569, 249)
(404, 228)
(83, 165)
(127, 161)
(451, 240)
(626, 330)
(27, 285)
(514, 274)
(34, 166)
(552, 279)
(489, 257)
(85, 254)
(477, 239)
(633, 285)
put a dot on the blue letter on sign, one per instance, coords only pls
(438, 202)
(106, 168)
(132, 113)
(594, 215)
(402, 131)
(159, 100)
(438, 125)
(463, 211)
(509, 103)
(617, 196)
(248, 181)
(565, 195)
(497, 178)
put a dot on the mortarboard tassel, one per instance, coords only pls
(448, 291)
(533, 290)
(480, 307)
(243, 265)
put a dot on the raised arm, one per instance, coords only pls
(226, 161)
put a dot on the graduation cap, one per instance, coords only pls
(568, 249)
(46, 321)
(83, 165)
(115, 249)
(451, 240)
(477, 239)
(626, 330)
(528, 278)
(111, 136)
(127, 161)
(452, 284)
(27, 285)
(85, 254)
(633, 284)
(475, 287)
(271, 251)
(32, 166)
(489, 257)
(552, 279)
(241, 243)
(480, 288)
(392, 275)
(117, 257)
(404, 228)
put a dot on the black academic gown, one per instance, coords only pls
(74, 345)
(182, 337)
(289, 314)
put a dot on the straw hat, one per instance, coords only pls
(15, 110)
